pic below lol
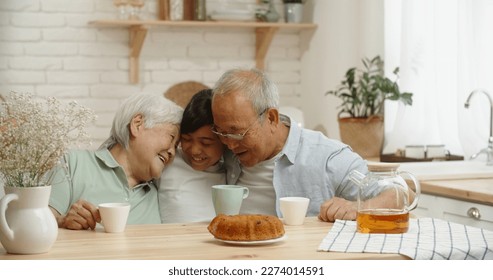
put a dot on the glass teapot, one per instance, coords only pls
(383, 198)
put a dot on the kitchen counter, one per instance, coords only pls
(448, 170)
(462, 180)
(474, 190)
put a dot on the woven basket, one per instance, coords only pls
(364, 135)
(181, 93)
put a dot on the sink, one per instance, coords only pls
(440, 170)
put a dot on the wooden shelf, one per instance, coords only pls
(264, 33)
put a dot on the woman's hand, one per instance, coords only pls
(82, 215)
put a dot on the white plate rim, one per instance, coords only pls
(256, 242)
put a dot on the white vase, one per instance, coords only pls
(27, 225)
(272, 15)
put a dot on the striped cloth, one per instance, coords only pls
(426, 239)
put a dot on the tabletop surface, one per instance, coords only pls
(189, 241)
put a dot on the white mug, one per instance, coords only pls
(415, 151)
(436, 151)
(294, 209)
(227, 199)
(114, 216)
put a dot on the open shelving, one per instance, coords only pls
(264, 33)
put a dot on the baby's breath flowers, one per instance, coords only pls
(35, 132)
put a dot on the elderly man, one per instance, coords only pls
(275, 158)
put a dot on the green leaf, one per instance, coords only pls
(363, 91)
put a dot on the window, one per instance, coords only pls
(444, 49)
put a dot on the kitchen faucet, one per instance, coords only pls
(489, 150)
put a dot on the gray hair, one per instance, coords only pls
(253, 84)
(154, 109)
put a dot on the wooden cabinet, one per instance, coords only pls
(264, 32)
(454, 210)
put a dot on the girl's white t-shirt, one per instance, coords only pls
(185, 193)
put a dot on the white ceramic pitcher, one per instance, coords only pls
(27, 225)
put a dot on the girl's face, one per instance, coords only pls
(202, 148)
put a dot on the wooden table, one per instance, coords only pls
(189, 241)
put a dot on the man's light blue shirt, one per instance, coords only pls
(311, 165)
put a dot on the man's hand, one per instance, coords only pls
(338, 208)
(82, 215)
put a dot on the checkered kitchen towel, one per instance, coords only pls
(426, 239)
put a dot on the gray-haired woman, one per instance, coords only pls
(142, 142)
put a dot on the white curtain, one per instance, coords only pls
(444, 49)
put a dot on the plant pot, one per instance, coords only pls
(364, 135)
(293, 12)
(27, 225)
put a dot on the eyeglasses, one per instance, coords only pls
(239, 136)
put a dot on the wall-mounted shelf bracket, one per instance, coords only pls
(264, 36)
(137, 36)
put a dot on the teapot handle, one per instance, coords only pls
(417, 192)
(4, 226)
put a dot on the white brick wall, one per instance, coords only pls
(47, 48)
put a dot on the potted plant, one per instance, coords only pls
(35, 133)
(293, 11)
(363, 93)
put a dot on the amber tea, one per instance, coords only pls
(382, 221)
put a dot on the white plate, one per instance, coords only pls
(259, 242)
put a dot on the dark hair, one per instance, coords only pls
(198, 112)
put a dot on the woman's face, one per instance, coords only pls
(202, 148)
(153, 149)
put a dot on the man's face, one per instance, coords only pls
(234, 114)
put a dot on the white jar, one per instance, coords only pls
(176, 9)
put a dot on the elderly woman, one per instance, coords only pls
(142, 142)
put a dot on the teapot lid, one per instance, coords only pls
(382, 166)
